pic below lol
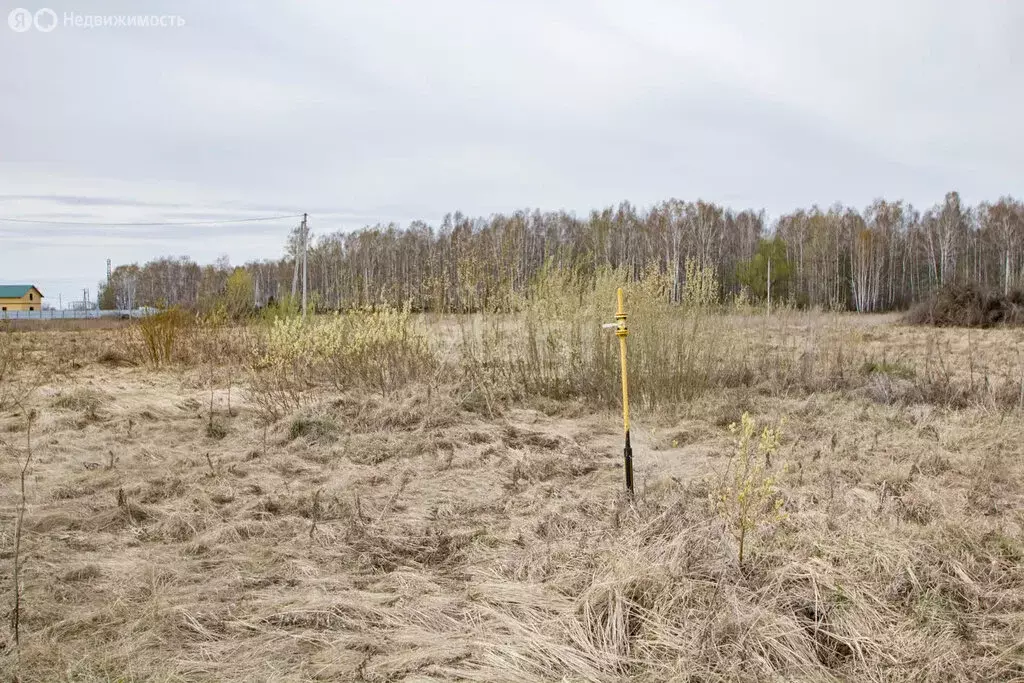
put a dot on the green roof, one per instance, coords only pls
(15, 291)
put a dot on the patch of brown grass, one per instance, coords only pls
(408, 538)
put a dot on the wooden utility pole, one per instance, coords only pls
(769, 285)
(305, 248)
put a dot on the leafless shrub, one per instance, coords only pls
(154, 339)
(969, 306)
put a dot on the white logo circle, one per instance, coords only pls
(20, 20)
(46, 20)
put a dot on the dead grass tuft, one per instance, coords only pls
(87, 572)
(83, 399)
(114, 358)
(313, 429)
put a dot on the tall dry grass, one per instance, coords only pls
(20, 373)
(9, 362)
(553, 346)
(379, 350)
(156, 338)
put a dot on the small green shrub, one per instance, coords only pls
(747, 496)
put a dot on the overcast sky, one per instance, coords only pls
(377, 111)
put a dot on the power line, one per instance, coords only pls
(152, 224)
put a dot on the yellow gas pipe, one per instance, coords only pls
(621, 331)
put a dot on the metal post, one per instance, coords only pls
(621, 331)
(305, 246)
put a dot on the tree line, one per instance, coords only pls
(884, 257)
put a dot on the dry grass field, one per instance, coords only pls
(468, 522)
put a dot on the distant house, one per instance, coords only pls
(20, 298)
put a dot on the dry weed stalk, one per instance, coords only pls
(315, 513)
(19, 526)
(209, 463)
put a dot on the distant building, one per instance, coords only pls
(20, 298)
(76, 305)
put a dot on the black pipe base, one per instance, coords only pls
(627, 454)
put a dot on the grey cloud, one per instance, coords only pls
(361, 112)
(77, 200)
